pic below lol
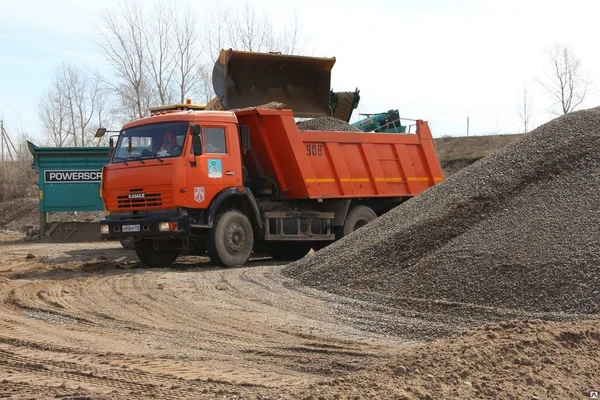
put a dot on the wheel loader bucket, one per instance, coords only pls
(247, 79)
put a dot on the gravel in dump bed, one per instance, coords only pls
(326, 124)
(274, 105)
(518, 230)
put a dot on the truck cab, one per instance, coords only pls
(165, 172)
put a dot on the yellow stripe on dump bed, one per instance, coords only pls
(362, 180)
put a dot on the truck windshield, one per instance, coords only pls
(159, 140)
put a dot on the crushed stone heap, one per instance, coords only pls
(519, 230)
(326, 124)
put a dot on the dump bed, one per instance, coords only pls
(320, 164)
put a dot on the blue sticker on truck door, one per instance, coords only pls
(215, 168)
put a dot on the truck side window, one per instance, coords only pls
(214, 139)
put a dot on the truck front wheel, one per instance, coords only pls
(231, 239)
(153, 256)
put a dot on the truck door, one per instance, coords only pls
(218, 167)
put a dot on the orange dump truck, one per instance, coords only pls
(230, 183)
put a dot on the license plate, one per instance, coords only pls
(130, 228)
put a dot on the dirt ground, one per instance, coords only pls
(87, 321)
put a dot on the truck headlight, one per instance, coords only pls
(104, 229)
(167, 226)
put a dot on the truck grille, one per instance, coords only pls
(139, 198)
(150, 200)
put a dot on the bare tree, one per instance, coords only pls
(217, 36)
(524, 108)
(104, 115)
(566, 81)
(17, 178)
(123, 41)
(160, 56)
(204, 90)
(53, 116)
(155, 55)
(251, 29)
(292, 39)
(187, 61)
(68, 108)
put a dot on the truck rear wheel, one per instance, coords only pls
(357, 218)
(152, 256)
(231, 239)
(290, 251)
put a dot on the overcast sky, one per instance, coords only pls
(442, 61)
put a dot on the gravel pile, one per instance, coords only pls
(326, 124)
(517, 231)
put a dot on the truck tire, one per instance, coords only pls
(343, 109)
(153, 257)
(128, 244)
(358, 217)
(231, 239)
(290, 251)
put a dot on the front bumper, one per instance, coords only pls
(145, 225)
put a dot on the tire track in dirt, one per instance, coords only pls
(43, 371)
(108, 325)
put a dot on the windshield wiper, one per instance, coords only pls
(120, 159)
(154, 156)
(136, 158)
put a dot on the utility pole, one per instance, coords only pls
(2, 162)
(6, 142)
(467, 126)
(2, 134)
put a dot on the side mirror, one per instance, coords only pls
(245, 138)
(100, 132)
(197, 145)
(195, 130)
